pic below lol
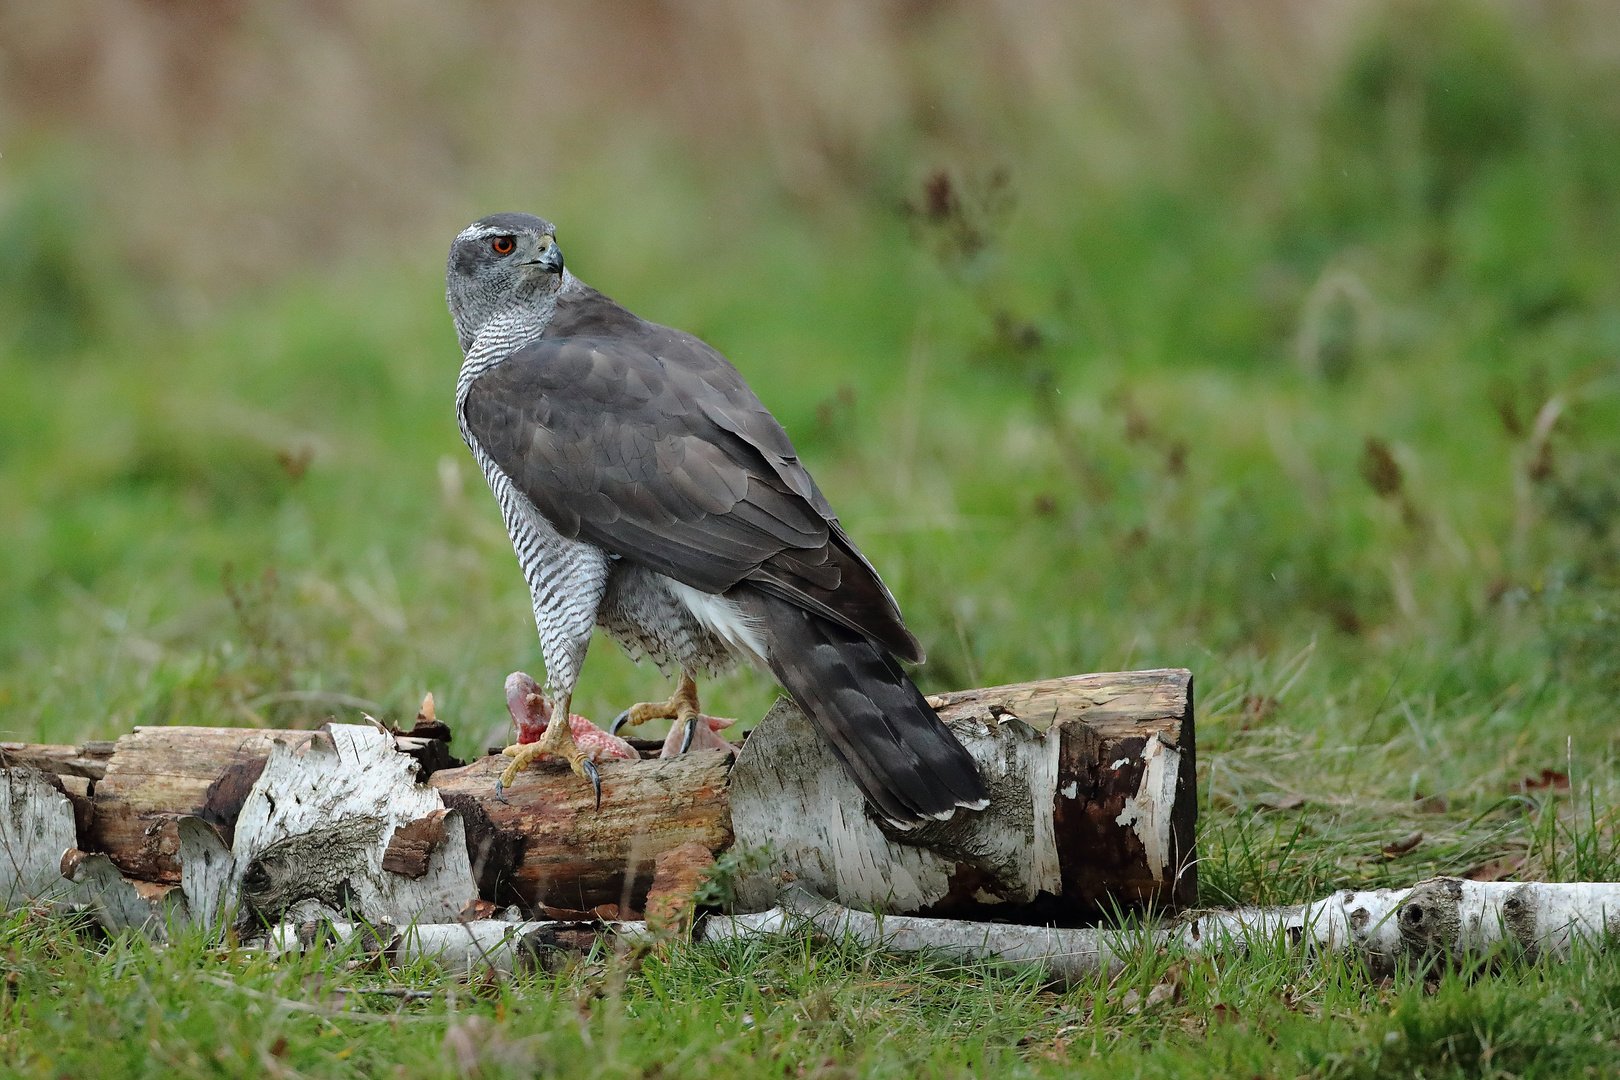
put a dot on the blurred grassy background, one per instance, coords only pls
(1274, 339)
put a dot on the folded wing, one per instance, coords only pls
(648, 443)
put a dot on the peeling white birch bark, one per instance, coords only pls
(36, 830)
(461, 948)
(118, 903)
(1437, 918)
(792, 797)
(1148, 812)
(314, 830)
(1092, 806)
(207, 868)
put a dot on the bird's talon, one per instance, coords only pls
(588, 767)
(689, 732)
(500, 796)
(619, 721)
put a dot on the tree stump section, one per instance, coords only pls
(1092, 806)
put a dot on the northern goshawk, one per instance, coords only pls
(649, 492)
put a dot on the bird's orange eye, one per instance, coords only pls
(502, 245)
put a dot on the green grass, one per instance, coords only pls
(782, 1007)
(1272, 421)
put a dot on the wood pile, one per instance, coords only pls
(1092, 807)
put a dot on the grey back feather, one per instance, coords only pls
(648, 443)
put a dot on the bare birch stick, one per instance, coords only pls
(1444, 917)
(1436, 918)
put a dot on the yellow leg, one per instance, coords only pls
(681, 707)
(556, 741)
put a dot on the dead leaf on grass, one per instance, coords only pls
(1168, 991)
(1549, 780)
(1403, 845)
(1257, 709)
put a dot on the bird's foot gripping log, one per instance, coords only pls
(543, 733)
(692, 729)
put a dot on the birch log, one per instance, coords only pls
(1092, 805)
(333, 825)
(147, 782)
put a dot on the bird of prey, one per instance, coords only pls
(648, 491)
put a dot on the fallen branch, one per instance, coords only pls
(1442, 917)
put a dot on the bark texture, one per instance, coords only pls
(548, 845)
(1092, 803)
(158, 775)
(1436, 922)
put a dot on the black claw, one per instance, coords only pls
(594, 777)
(499, 797)
(687, 735)
(619, 721)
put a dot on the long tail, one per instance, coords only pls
(905, 761)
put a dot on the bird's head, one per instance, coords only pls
(502, 264)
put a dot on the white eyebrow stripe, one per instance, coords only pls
(481, 232)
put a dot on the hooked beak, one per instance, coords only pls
(550, 258)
